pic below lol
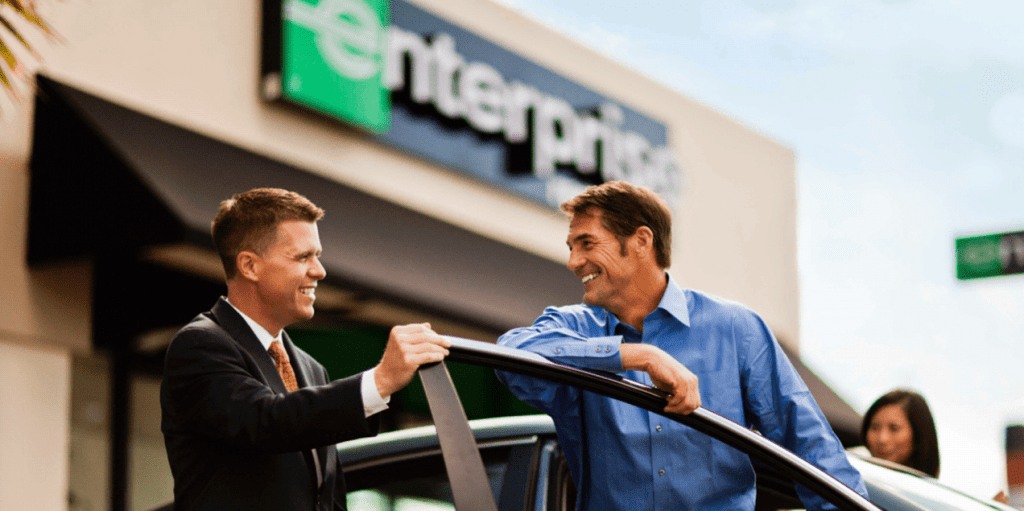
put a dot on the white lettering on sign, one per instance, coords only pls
(590, 142)
(348, 34)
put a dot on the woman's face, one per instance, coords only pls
(890, 436)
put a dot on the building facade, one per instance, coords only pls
(441, 199)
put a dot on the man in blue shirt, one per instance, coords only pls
(636, 321)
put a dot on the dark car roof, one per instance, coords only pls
(424, 438)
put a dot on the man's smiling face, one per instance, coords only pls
(606, 267)
(288, 272)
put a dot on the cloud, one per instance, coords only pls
(952, 33)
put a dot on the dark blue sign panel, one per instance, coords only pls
(459, 100)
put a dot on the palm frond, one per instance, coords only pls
(4, 80)
(27, 10)
(9, 58)
(24, 9)
(13, 31)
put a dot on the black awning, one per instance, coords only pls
(106, 179)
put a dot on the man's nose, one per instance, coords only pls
(575, 261)
(317, 271)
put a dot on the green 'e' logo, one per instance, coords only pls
(333, 57)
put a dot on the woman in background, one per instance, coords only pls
(899, 428)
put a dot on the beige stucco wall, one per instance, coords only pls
(35, 392)
(196, 63)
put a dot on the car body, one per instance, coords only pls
(404, 470)
(521, 466)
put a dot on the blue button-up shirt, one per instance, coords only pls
(624, 457)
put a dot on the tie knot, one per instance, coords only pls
(284, 367)
(277, 352)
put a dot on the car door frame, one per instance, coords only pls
(458, 436)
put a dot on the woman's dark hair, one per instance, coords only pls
(925, 454)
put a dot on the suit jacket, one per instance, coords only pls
(236, 440)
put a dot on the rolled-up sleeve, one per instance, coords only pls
(567, 335)
(560, 335)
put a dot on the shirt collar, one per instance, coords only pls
(672, 302)
(261, 333)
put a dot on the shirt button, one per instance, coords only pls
(557, 350)
(658, 427)
(599, 349)
(608, 349)
(661, 472)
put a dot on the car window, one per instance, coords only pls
(417, 482)
(381, 500)
(774, 491)
(556, 490)
(429, 491)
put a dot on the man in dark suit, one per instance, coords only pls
(249, 419)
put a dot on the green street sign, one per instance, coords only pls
(333, 59)
(990, 255)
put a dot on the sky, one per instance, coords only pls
(907, 121)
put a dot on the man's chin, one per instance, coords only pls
(303, 314)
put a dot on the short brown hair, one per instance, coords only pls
(248, 221)
(626, 208)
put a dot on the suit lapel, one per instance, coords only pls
(228, 318)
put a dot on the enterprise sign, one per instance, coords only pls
(419, 83)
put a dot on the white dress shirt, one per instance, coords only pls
(372, 400)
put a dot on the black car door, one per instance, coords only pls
(462, 457)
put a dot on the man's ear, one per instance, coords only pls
(644, 239)
(248, 264)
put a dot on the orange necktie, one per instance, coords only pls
(284, 367)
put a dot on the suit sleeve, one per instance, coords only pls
(212, 390)
(783, 410)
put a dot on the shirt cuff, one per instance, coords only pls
(372, 402)
(596, 353)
